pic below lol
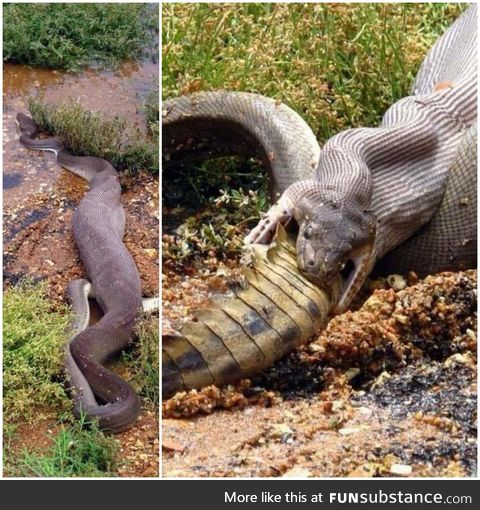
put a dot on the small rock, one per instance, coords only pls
(471, 334)
(280, 430)
(314, 348)
(400, 469)
(351, 373)
(365, 411)
(373, 303)
(461, 359)
(347, 431)
(151, 252)
(397, 282)
(176, 473)
(381, 379)
(297, 472)
(403, 319)
(170, 445)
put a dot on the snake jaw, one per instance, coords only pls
(361, 259)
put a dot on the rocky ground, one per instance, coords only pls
(387, 390)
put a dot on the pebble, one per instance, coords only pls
(401, 469)
(297, 472)
(348, 431)
(280, 430)
(351, 373)
(397, 282)
(170, 445)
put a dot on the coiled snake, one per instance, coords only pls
(404, 192)
(98, 228)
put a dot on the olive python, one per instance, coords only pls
(98, 225)
(401, 196)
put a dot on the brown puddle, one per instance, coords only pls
(114, 93)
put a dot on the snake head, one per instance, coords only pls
(25, 123)
(335, 240)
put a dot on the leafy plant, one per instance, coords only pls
(34, 336)
(217, 230)
(87, 133)
(71, 36)
(143, 360)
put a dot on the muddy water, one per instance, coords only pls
(113, 93)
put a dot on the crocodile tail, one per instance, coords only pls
(268, 316)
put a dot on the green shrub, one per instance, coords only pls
(87, 133)
(70, 36)
(152, 114)
(34, 336)
(143, 360)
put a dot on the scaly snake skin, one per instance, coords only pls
(98, 228)
(404, 192)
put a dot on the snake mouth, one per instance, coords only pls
(354, 271)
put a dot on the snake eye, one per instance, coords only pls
(308, 233)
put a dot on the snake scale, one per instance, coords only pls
(402, 194)
(98, 227)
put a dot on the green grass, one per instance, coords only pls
(34, 336)
(35, 333)
(87, 133)
(338, 65)
(152, 114)
(71, 36)
(78, 450)
(142, 361)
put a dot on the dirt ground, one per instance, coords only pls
(139, 446)
(39, 199)
(385, 391)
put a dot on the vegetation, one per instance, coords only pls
(71, 36)
(143, 361)
(217, 229)
(337, 65)
(87, 133)
(152, 114)
(77, 450)
(34, 336)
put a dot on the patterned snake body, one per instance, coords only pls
(98, 228)
(367, 191)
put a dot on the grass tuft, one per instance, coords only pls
(80, 449)
(152, 114)
(87, 133)
(34, 336)
(71, 36)
(142, 361)
(338, 65)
